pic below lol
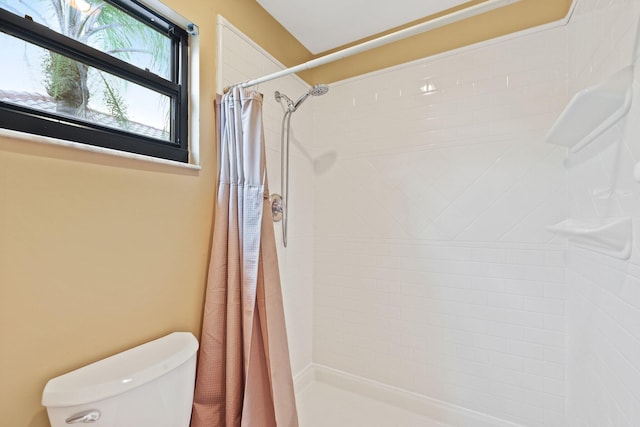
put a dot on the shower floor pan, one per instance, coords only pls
(324, 405)
(329, 398)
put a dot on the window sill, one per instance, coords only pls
(6, 133)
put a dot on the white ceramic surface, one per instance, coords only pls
(609, 236)
(147, 386)
(593, 110)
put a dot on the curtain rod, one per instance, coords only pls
(380, 41)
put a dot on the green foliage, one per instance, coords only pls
(106, 28)
(114, 102)
(121, 35)
(63, 80)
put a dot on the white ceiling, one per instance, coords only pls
(321, 25)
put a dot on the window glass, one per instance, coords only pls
(102, 26)
(46, 81)
(117, 77)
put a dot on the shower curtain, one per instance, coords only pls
(244, 373)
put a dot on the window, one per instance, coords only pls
(110, 73)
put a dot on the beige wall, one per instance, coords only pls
(98, 254)
(506, 20)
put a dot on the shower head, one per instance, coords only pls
(318, 90)
(315, 90)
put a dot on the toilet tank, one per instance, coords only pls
(147, 386)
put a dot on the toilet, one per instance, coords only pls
(147, 386)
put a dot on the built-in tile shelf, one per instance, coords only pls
(609, 236)
(592, 111)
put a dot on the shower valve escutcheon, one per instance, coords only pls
(277, 207)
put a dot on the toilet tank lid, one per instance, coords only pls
(121, 372)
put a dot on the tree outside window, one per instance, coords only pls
(71, 85)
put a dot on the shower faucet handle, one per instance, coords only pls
(277, 207)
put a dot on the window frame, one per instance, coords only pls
(33, 121)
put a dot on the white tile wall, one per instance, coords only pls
(240, 60)
(425, 232)
(433, 270)
(603, 312)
